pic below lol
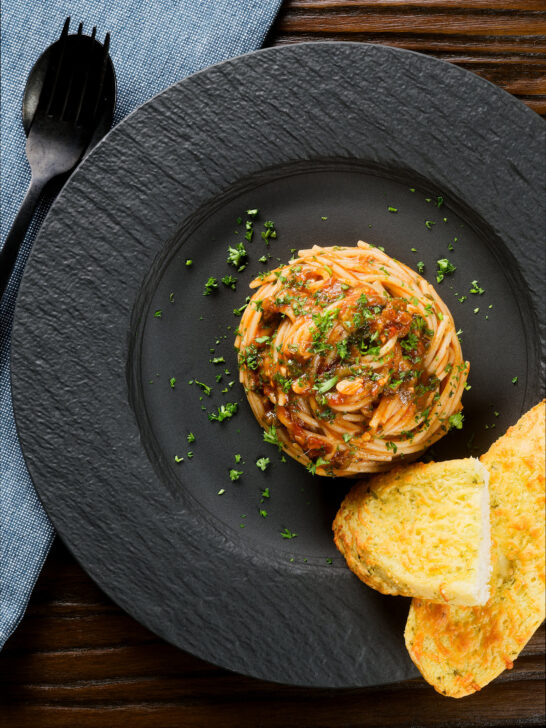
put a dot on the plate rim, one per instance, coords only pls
(19, 325)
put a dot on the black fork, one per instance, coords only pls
(70, 105)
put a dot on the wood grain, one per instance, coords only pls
(504, 41)
(78, 660)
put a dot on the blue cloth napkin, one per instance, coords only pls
(154, 44)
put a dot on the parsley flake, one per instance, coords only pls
(476, 288)
(287, 533)
(272, 438)
(230, 281)
(225, 412)
(444, 269)
(210, 286)
(206, 389)
(262, 463)
(327, 385)
(237, 256)
(456, 421)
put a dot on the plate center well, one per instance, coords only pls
(183, 340)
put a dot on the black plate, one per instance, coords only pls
(313, 131)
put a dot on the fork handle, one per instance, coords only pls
(14, 240)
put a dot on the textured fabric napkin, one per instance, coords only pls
(154, 44)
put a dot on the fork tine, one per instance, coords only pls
(51, 71)
(86, 81)
(80, 28)
(62, 48)
(98, 95)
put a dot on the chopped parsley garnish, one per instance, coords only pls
(420, 266)
(158, 313)
(225, 412)
(342, 349)
(312, 467)
(429, 224)
(323, 324)
(221, 491)
(515, 380)
(263, 259)
(189, 262)
(444, 269)
(392, 209)
(237, 256)
(239, 311)
(272, 438)
(217, 360)
(439, 201)
(263, 513)
(392, 446)
(410, 342)
(210, 286)
(262, 463)
(230, 281)
(178, 459)
(190, 437)
(238, 458)
(269, 231)
(263, 339)
(171, 297)
(324, 218)
(456, 421)
(249, 230)
(476, 288)
(287, 533)
(265, 493)
(327, 385)
(347, 437)
(172, 382)
(206, 389)
(249, 357)
(235, 474)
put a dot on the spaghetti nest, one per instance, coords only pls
(350, 360)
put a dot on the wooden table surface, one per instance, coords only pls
(77, 660)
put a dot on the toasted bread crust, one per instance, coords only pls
(417, 531)
(460, 649)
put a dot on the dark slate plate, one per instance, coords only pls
(335, 130)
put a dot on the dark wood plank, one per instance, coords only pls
(397, 708)
(77, 660)
(469, 5)
(530, 26)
